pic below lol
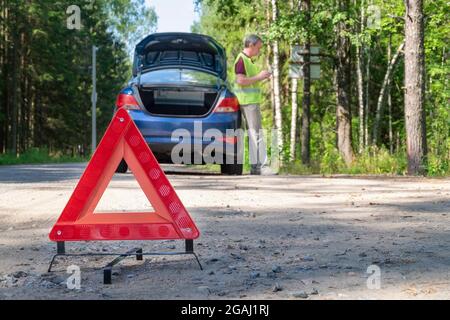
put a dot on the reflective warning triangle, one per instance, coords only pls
(170, 219)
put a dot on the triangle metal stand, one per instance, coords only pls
(107, 270)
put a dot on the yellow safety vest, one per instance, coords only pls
(250, 94)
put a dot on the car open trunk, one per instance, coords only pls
(179, 91)
(179, 74)
(194, 102)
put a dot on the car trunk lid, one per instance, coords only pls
(188, 50)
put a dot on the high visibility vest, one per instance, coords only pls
(248, 94)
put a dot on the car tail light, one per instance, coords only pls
(230, 140)
(228, 105)
(126, 100)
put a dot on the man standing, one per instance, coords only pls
(248, 92)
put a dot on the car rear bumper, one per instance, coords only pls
(192, 135)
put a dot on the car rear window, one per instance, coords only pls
(181, 57)
(179, 76)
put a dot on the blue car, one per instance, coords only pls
(181, 101)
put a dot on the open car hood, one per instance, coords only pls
(174, 49)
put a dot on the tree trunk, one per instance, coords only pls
(389, 100)
(38, 123)
(382, 94)
(6, 80)
(342, 81)
(3, 62)
(306, 104)
(367, 104)
(416, 143)
(268, 57)
(14, 88)
(23, 98)
(359, 72)
(276, 85)
(293, 119)
(294, 110)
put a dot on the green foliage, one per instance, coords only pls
(38, 155)
(378, 161)
(371, 161)
(131, 20)
(438, 91)
(229, 20)
(51, 76)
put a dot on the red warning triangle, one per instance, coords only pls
(123, 140)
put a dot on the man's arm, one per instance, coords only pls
(242, 80)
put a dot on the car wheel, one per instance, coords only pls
(122, 168)
(231, 169)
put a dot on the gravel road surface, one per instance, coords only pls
(262, 237)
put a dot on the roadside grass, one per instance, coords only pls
(38, 156)
(371, 161)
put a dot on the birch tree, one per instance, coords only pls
(276, 84)
(294, 110)
(360, 78)
(382, 95)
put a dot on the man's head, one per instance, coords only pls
(252, 45)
